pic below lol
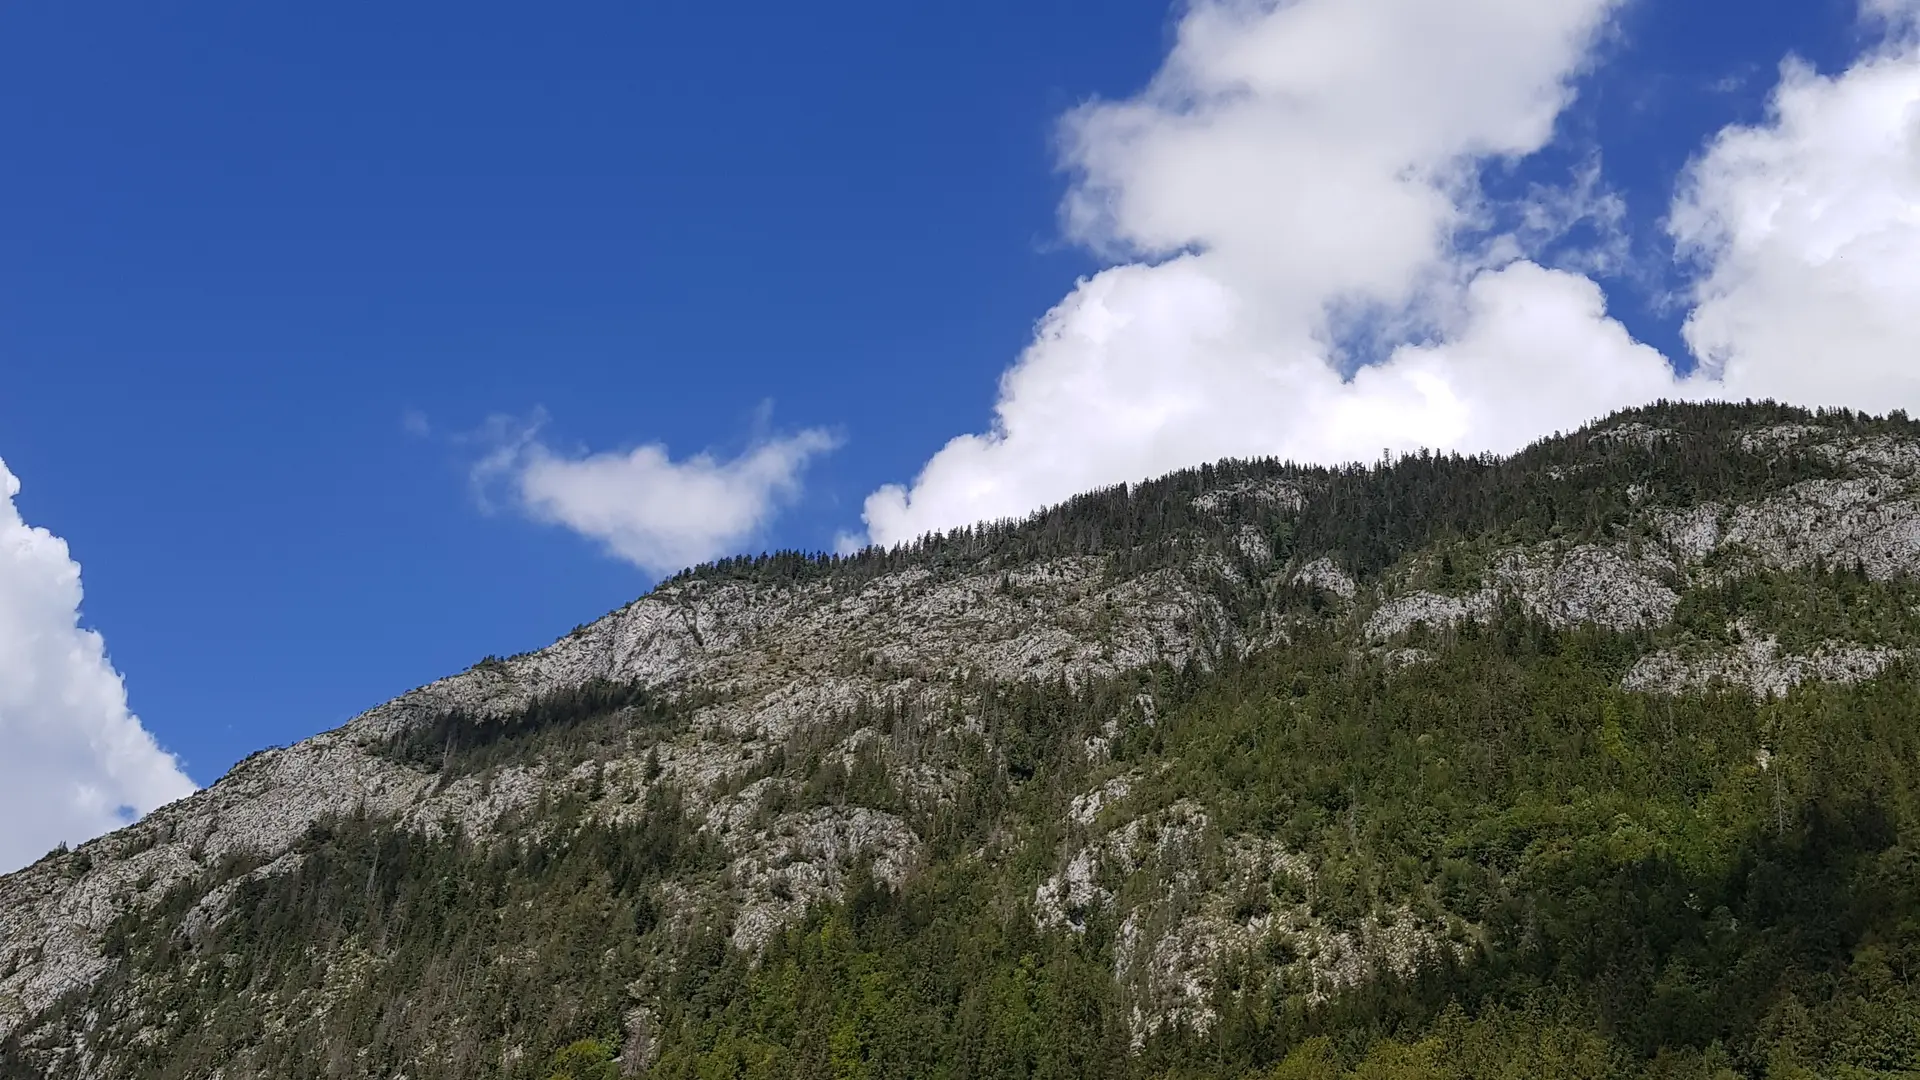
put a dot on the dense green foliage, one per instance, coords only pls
(587, 1059)
(1647, 900)
(595, 719)
(396, 947)
(1643, 898)
(1804, 609)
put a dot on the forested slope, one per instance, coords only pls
(1594, 761)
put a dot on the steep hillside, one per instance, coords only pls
(1594, 761)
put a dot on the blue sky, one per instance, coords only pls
(241, 246)
(273, 283)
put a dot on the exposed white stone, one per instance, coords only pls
(804, 858)
(808, 650)
(1283, 493)
(474, 805)
(1757, 665)
(1402, 613)
(1837, 523)
(1086, 807)
(1169, 948)
(1781, 436)
(1398, 659)
(1323, 574)
(1634, 433)
(1693, 533)
(212, 909)
(1883, 456)
(1099, 746)
(1167, 839)
(1609, 586)
(1064, 899)
(1253, 544)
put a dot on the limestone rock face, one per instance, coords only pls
(1757, 665)
(779, 654)
(804, 858)
(1608, 586)
(774, 659)
(53, 919)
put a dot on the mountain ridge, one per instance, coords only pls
(819, 728)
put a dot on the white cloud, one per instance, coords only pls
(1897, 16)
(1808, 227)
(1292, 165)
(657, 513)
(1298, 180)
(74, 762)
(1536, 354)
(1551, 213)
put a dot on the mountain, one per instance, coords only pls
(1598, 760)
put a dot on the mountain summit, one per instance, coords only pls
(1598, 760)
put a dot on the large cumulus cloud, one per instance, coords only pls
(74, 762)
(1304, 264)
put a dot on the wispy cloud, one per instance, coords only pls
(640, 503)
